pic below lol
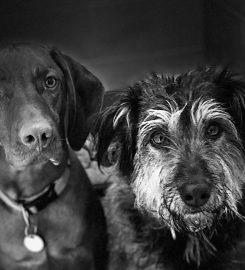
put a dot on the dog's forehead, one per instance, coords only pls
(180, 91)
(16, 60)
(181, 104)
(184, 110)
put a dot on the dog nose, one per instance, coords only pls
(36, 135)
(195, 195)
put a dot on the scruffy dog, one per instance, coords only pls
(177, 201)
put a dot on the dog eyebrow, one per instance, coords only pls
(175, 119)
(162, 117)
(41, 71)
(207, 110)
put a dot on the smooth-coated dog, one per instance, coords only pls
(50, 216)
(177, 201)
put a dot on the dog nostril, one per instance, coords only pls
(188, 197)
(29, 139)
(205, 196)
(45, 138)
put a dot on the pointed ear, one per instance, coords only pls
(84, 97)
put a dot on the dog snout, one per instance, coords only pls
(37, 135)
(195, 194)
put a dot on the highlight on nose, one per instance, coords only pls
(195, 195)
(36, 135)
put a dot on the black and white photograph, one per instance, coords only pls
(122, 135)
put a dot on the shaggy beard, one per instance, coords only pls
(199, 236)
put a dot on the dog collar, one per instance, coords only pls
(32, 241)
(39, 201)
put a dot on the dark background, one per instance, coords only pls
(122, 41)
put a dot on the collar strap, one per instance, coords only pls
(38, 202)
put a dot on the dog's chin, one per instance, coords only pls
(193, 221)
(35, 159)
(196, 222)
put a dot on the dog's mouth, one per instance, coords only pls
(21, 160)
(195, 222)
(35, 160)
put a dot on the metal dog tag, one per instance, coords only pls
(34, 243)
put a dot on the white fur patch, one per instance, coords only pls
(164, 117)
(122, 112)
(151, 175)
(148, 195)
(207, 110)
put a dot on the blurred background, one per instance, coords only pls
(122, 41)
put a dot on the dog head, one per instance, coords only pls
(46, 99)
(180, 145)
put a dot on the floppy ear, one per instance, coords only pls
(84, 97)
(116, 132)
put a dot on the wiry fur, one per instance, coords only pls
(150, 225)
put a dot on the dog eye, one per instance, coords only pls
(213, 131)
(50, 82)
(159, 139)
